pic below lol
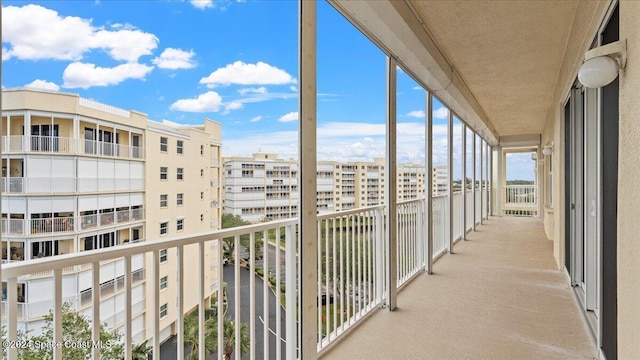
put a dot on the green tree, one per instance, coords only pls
(76, 332)
(231, 221)
(141, 351)
(230, 339)
(192, 337)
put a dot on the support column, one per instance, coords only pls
(474, 180)
(481, 180)
(428, 193)
(391, 187)
(490, 182)
(463, 184)
(450, 176)
(307, 149)
(497, 199)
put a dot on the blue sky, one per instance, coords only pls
(235, 62)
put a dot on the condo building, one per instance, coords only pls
(79, 175)
(264, 187)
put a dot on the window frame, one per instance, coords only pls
(164, 226)
(180, 147)
(164, 144)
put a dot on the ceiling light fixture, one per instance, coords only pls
(601, 65)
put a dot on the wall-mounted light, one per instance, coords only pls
(602, 64)
(547, 149)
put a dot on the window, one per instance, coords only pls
(163, 310)
(179, 146)
(164, 227)
(179, 199)
(163, 144)
(180, 225)
(163, 173)
(163, 255)
(163, 200)
(179, 174)
(201, 149)
(164, 282)
(201, 195)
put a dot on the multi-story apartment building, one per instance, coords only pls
(80, 175)
(264, 187)
(440, 180)
(260, 188)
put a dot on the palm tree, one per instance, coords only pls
(141, 351)
(230, 338)
(192, 338)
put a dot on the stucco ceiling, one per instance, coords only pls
(509, 54)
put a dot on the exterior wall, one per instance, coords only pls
(196, 211)
(585, 25)
(628, 195)
(55, 175)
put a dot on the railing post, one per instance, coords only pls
(429, 186)
(473, 188)
(290, 292)
(391, 186)
(450, 177)
(307, 149)
(463, 184)
(379, 255)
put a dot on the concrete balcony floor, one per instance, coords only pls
(500, 296)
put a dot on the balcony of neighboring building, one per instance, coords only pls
(34, 133)
(44, 224)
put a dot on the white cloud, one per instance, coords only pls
(207, 102)
(174, 59)
(255, 118)
(259, 90)
(288, 117)
(81, 75)
(293, 88)
(34, 32)
(5, 54)
(441, 113)
(417, 88)
(125, 45)
(232, 106)
(202, 4)
(241, 73)
(43, 84)
(416, 114)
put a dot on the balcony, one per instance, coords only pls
(499, 296)
(503, 278)
(521, 200)
(12, 144)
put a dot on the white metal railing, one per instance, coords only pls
(68, 145)
(350, 269)
(51, 225)
(13, 227)
(457, 215)
(440, 224)
(260, 272)
(520, 200)
(411, 236)
(50, 144)
(469, 209)
(13, 184)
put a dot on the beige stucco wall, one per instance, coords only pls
(193, 183)
(589, 15)
(628, 185)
